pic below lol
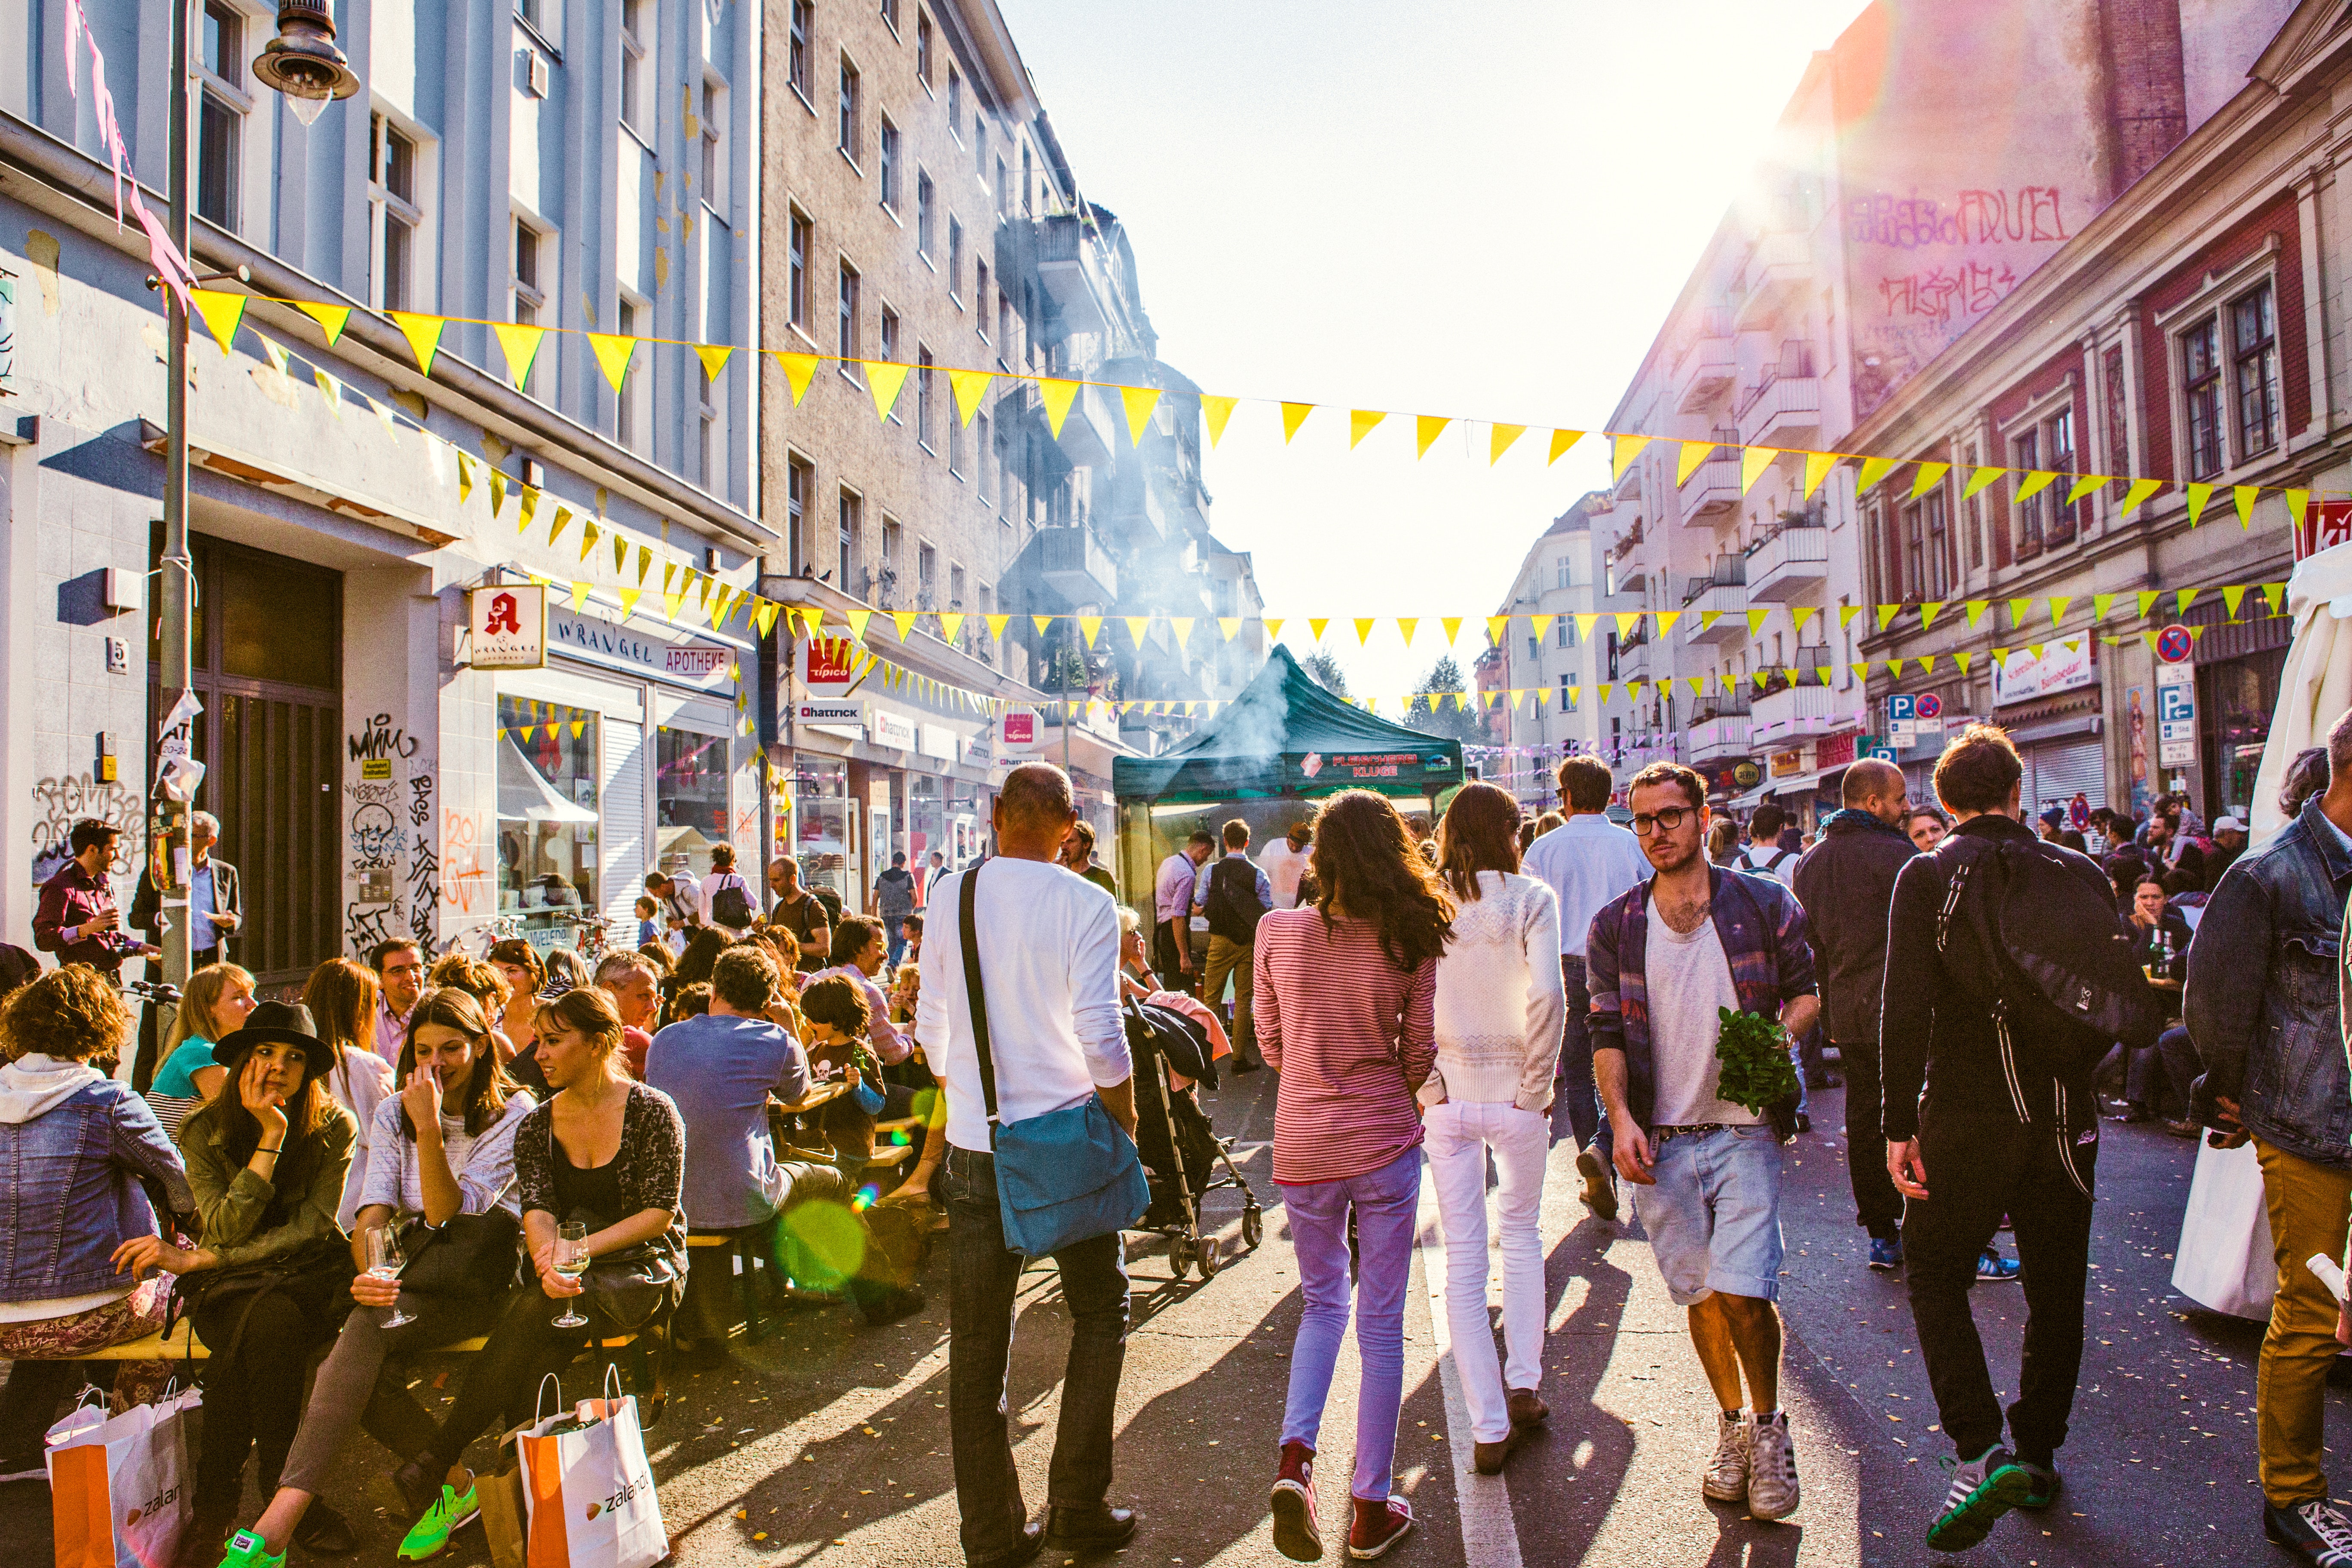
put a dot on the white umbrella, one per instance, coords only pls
(2315, 687)
(524, 794)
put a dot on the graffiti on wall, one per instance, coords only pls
(424, 868)
(466, 883)
(381, 739)
(364, 925)
(62, 802)
(1938, 294)
(376, 838)
(1978, 217)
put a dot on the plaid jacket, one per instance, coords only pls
(1763, 931)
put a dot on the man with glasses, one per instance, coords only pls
(399, 968)
(1665, 959)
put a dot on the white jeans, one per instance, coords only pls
(1456, 1136)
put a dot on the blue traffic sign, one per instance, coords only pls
(1902, 706)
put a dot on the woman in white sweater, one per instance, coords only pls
(1501, 1010)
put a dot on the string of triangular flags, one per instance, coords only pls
(519, 343)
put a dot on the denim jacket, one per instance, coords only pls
(72, 1158)
(2261, 1004)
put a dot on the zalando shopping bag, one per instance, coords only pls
(119, 1487)
(589, 1487)
(2224, 1261)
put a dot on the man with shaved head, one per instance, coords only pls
(1846, 883)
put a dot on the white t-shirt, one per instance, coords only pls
(1284, 867)
(1766, 861)
(1049, 957)
(1688, 978)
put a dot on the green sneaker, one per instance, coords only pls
(246, 1550)
(2043, 1485)
(1983, 1489)
(430, 1535)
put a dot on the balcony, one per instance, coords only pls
(1718, 740)
(1074, 565)
(1634, 659)
(1629, 483)
(1779, 270)
(1724, 604)
(1796, 712)
(1789, 563)
(1071, 272)
(1782, 411)
(1711, 493)
(1707, 367)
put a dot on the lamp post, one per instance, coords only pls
(304, 63)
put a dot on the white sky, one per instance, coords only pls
(1478, 210)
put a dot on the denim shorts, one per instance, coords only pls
(1714, 1217)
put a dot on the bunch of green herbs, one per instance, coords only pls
(1757, 1066)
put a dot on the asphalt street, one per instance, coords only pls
(828, 1442)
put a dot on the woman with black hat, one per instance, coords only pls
(267, 1160)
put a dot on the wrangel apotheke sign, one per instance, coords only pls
(677, 659)
(508, 626)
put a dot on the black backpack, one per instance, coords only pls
(1232, 905)
(2054, 955)
(730, 904)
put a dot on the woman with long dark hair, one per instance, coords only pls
(267, 1160)
(340, 994)
(1345, 991)
(213, 1002)
(445, 1147)
(1501, 1008)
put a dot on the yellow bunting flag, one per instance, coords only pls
(2231, 599)
(1138, 627)
(1694, 452)
(1709, 617)
(1756, 621)
(1873, 469)
(1561, 440)
(1584, 624)
(2298, 507)
(1058, 396)
(2274, 595)
(2058, 603)
(588, 533)
(1408, 625)
(2198, 495)
(2183, 599)
(620, 552)
(1926, 477)
(1666, 619)
(670, 603)
(499, 496)
(465, 478)
(529, 510)
(1089, 625)
(424, 336)
(1928, 614)
(1623, 450)
(798, 370)
(1427, 428)
(2017, 610)
(1216, 411)
(1274, 629)
(332, 319)
(2034, 483)
(1846, 614)
(2084, 486)
(885, 380)
(2099, 603)
(613, 353)
(1538, 624)
(579, 597)
(905, 621)
(714, 358)
(1753, 461)
(1964, 660)
(1497, 628)
(1139, 401)
(1626, 621)
(1294, 415)
(2244, 496)
(1230, 626)
(949, 625)
(1316, 623)
(1043, 623)
(1362, 423)
(2140, 490)
(1978, 480)
(222, 311)
(519, 343)
(2147, 598)
(629, 597)
(1860, 669)
(1452, 624)
(2001, 656)
(968, 386)
(645, 562)
(1895, 668)
(1799, 614)
(1364, 624)
(1887, 613)
(1183, 626)
(1817, 468)
(1499, 441)
(1976, 609)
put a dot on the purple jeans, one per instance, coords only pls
(1385, 1202)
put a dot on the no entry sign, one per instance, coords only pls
(2175, 644)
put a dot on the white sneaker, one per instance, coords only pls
(1771, 1467)
(1726, 1479)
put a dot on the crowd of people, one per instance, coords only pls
(350, 1179)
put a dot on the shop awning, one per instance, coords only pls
(524, 794)
(1285, 735)
(1796, 784)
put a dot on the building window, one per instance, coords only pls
(392, 196)
(1535, 648)
(890, 13)
(1003, 325)
(955, 261)
(2058, 439)
(1027, 181)
(798, 289)
(1002, 188)
(2118, 413)
(633, 65)
(924, 202)
(955, 587)
(980, 451)
(955, 436)
(927, 573)
(1975, 504)
(2200, 386)
(629, 422)
(955, 105)
(714, 154)
(1563, 628)
(1567, 695)
(530, 292)
(1925, 565)
(889, 155)
(849, 142)
(804, 34)
(2253, 352)
(980, 298)
(852, 507)
(847, 342)
(800, 482)
(2025, 456)
(886, 580)
(923, 51)
(924, 399)
(220, 117)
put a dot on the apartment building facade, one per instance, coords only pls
(1897, 205)
(1547, 668)
(569, 167)
(2195, 332)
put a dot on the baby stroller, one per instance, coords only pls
(1181, 1152)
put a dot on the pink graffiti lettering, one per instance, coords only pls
(1940, 293)
(466, 881)
(1980, 216)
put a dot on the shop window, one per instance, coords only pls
(2236, 706)
(548, 814)
(692, 776)
(820, 829)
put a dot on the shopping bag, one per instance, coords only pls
(506, 1516)
(588, 1488)
(119, 1486)
(2224, 1261)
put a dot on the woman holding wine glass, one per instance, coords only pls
(606, 1154)
(445, 1148)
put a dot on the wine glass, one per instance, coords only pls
(385, 1262)
(571, 1262)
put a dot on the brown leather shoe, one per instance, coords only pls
(1527, 1408)
(1488, 1459)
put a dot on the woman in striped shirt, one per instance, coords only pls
(1345, 994)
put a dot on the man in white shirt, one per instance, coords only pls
(1587, 861)
(1285, 864)
(1048, 950)
(1172, 903)
(1762, 853)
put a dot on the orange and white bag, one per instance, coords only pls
(589, 1487)
(119, 1487)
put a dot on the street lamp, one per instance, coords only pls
(302, 61)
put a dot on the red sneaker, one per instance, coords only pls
(1296, 1535)
(1378, 1525)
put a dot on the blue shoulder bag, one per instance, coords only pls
(1062, 1178)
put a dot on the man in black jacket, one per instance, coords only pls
(1846, 883)
(2007, 1125)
